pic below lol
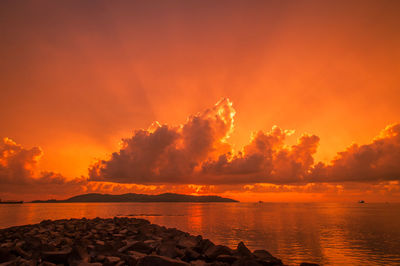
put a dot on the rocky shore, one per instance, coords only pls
(118, 241)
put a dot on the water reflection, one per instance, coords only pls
(332, 234)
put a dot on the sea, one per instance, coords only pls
(324, 233)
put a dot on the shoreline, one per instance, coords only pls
(118, 241)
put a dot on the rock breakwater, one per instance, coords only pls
(117, 241)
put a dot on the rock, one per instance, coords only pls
(155, 260)
(243, 251)
(168, 249)
(46, 263)
(187, 242)
(152, 243)
(23, 253)
(99, 242)
(5, 255)
(123, 231)
(265, 258)
(136, 254)
(6, 245)
(141, 247)
(112, 259)
(118, 241)
(100, 258)
(198, 263)
(262, 254)
(246, 262)
(11, 262)
(218, 263)
(58, 257)
(214, 251)
(79, 253)
(203, 245)
(127, 246)
(190, 255)
(226, 258)
(133, 257)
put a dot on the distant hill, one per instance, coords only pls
(132, 197)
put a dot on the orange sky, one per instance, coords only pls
(77, 77)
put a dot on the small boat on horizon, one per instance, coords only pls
(361, 201)
(260, 201)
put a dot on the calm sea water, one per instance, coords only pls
(326, 233)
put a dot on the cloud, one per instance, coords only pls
(164, 154)
(18, 173)
(195, 157)
(197, 152)
(16, 163)
(266, 160)
(377, 161)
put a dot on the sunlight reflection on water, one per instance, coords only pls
(326, 233)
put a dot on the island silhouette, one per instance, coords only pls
(133, 197)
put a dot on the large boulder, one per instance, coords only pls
(190, 255)
(243, 251)
(262, 254)
(139, 246)
(169, 249)
(187, 242)
(214, 251)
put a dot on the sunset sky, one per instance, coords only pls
(254, 100)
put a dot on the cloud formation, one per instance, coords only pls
(197, 152)
(266, 160)
(377, 161)
(18, 173)
(164, 154)
(195, 157)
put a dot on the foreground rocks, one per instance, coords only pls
(118, 241)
